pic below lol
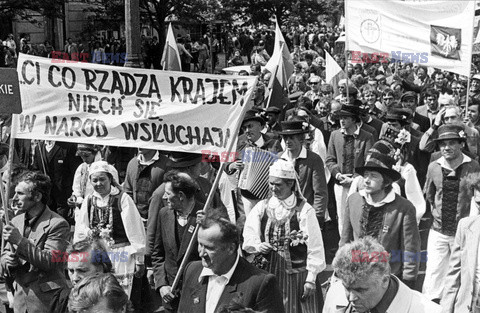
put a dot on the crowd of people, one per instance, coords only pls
(369, 160)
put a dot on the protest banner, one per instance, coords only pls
(129, 107)
(408, 30)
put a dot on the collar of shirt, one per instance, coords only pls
(355, 133)
(33, 219)
(103, 200)
(49, 145)
(443, 163)
(388, 199)
(206, 272)
(387, 298)
(302, 155)
(141, 159)
(260, 142)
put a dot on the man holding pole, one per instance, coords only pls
(34, 236)
(175, 227)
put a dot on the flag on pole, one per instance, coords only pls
(333, 72)
(171, 56)
(277, 87)
(281, 66)
(281, 54)
(436, 33)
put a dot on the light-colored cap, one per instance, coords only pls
(283, 169)
(102, 167)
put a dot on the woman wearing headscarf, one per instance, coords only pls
(111, 214)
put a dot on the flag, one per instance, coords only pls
(171, 56)
(281, 66)
(281, 54)
(277, 86)
(436, 33)
(333, 72)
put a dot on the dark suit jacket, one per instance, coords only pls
(250, 286)
(38, 280)
(422, 121)
(371, 130)
(376, 123)
(60, 165)
(167, 254)
(363, 143)
(156, 203)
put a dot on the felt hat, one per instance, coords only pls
(252, 115)
(293, 128)
(348, 110)
(274, 110)
(184, 159)
(451, 131)
(380, 159)
(401, 115)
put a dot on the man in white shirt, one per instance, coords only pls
(223, 277)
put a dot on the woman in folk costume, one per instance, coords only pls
(82, 187)
(111, 214)
(284, 229)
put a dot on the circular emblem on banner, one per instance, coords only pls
(370, 31)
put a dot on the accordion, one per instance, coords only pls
(253, 180)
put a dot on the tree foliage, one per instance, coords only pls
(286, 11)
(28, 10)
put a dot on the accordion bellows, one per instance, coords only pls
(253, 180)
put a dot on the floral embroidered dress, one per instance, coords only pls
(114, 218)
(298, 255)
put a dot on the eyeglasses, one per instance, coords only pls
(313, 83)
(388, 98)
(430, 99)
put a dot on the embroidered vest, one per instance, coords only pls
(118, 230)
(295, 255)
(451, 188)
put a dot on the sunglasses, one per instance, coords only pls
(313, 83)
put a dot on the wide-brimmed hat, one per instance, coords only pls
(349, 110)
(274, 110)
(252, 115)
(381, 159)
(184, 159)
(293, 128)
(401, 115)
(451, 131)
